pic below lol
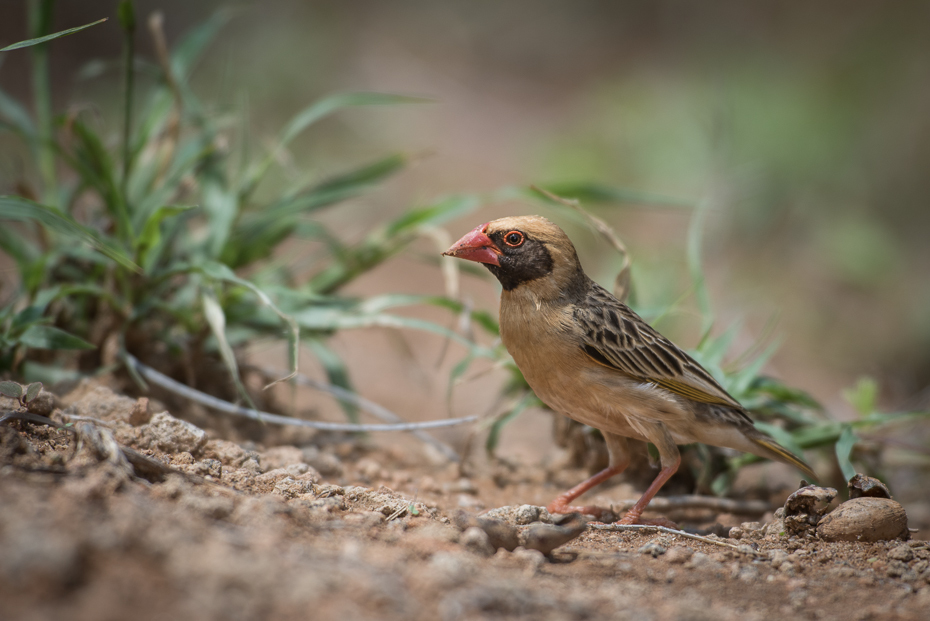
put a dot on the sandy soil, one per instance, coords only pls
(220, 530)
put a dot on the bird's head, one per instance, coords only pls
(521, 250)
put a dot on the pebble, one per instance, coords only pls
(865, 519)
(526, 514)
(476, 540)
(902, 552)
(652, 548)
(532, 559)
(778, 557)
(679, 554)
(699, 560)
(747, 573)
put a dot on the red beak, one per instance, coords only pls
(475, 246)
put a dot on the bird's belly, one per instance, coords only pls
(604, 399)
(568, 389)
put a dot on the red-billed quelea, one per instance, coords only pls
(588, 356)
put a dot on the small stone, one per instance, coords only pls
(325, 463)
(896, 569)
(902, 552)
(736, 533)
(43, 404)
(366, 519)
(476, 540)
(464, 486)
(866, 520)
(140, 414)
(699, 560)
(526, 514)
(328, 489)
(861, 486)
(652, 548)
(171, 435)
(252, 466)
(679, 554)
(209, 467)
(369, 469)
(228, 453)
(291, 488)
(533, 559)
(216, 507)
(281, 457)
(778, 557)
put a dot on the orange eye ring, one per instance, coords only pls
(514, 239)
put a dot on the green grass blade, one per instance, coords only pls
(98, 169)
(221, 272)
(311, 114)
(216, 319)
(528, 400)
(149, 242)
(695, 268)
(221, 206)
(328, 105)
(50, 37)
(593, 193)
(844, 447)
(18, 118)
(48, 337)
(336, 372)
(17, 245)
(863, 396)
(192, 45)
(388, 240)
(22, 209)
(365, 176)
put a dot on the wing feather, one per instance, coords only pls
(616, 337)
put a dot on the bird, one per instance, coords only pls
(590, 357)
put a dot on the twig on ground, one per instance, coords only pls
(180, 389)
(365, 405)
(671, 531)
(32, 418)
(725, 505)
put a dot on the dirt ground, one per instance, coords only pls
(192, 525)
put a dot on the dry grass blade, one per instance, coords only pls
(671, 531)
(364, 405)
(196, 396)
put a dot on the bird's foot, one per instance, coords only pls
(631, 518)
(563, 507)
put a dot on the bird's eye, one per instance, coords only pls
(513, 238)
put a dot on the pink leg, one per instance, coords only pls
(633, 515)
(560, 504)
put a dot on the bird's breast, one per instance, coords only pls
(546, 344)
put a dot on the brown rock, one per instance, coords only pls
(862, 486)
(865, 519)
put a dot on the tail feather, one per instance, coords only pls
(773, 449)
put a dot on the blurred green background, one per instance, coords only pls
(804, 128)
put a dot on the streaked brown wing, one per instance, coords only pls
(616, 337)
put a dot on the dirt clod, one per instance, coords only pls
(865, 519)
